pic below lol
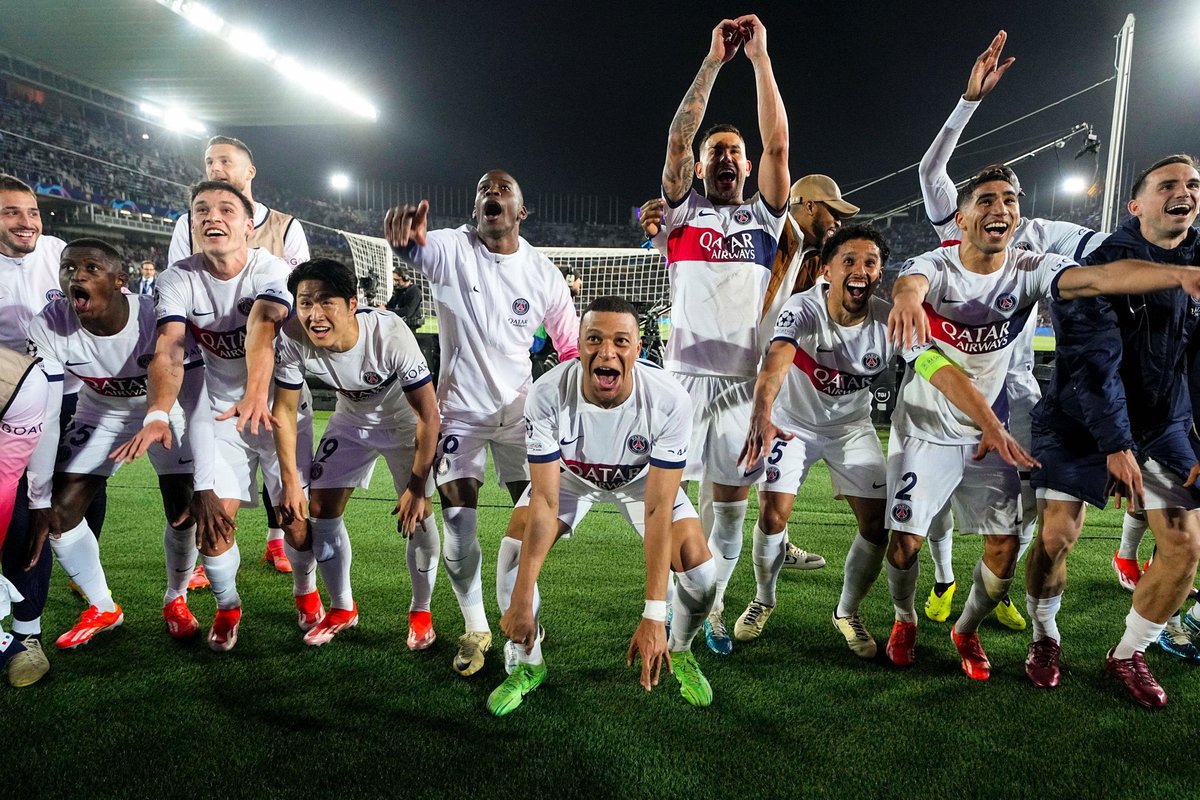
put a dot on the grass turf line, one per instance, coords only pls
(136, 714)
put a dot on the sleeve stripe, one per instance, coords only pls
(414, 386)
(676, 203)
(1054, 282)
(940, 222)
(274, 299)
(658, 462)
(788, 339)
(1087, 237)
(286, 385)
(172, 318)
(544, 459)
(198, 363)
(54, 378)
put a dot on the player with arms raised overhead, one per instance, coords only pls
(105, 338)
(720, 248)
(607, 428)
(232, 299)
(386, 407)
(492, 289)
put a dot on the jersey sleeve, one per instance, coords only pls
(271, 283)
(410, 366)
(181, 240)
(295, 244)
(937, 187)
(677, 213)
(1070, 240)
(562, 320)
(1051, 266)
(41, 346)
(669, 447)
(796, 320)
(171, 296)
(541, 422)
(432, 259)
(289, 360)
(770, 218)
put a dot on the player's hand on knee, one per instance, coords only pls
(988, 69)
(45, 523)
(409, 512)
(1002, 442)
(213, 525)
(293, 506)
(520, 626)
(650, 643)
(1125, 480)
(154, 432)
(406, 223)
(650, 215)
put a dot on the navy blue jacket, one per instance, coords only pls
(1120, 378)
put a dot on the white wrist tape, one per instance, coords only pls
(156, 416)
(655, 610)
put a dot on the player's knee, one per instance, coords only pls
(775, 514)
(691, 548)
(463, 493)
(903, 549)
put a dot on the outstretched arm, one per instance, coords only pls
(678, 171)
(1127, 276)
(774, 181)
(164, 378)
(908, 326)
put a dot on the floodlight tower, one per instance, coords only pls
(1116, 137)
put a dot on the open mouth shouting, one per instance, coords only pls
(81, 299)
(1179, 209)
(320, 331)
(607, 379)
(856, 290)
(213, 232)
(726, 177)
(996, 230)
(492, 210)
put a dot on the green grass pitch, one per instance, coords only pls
(136, 714)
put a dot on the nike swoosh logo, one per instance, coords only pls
(423, 571)
(677, 507)
(185, 569)
(196, 313)
(875, 485)
(950, 300)
(565, 442)
(326, 560)
(706, 213)
(824, 349)
(750, 472)
(185, 461)
(453, 560)
(75, 363)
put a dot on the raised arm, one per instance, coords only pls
(774, 181)
(679, 169)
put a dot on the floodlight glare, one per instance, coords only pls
(202, 17)
(1074, 185)
(340, 181)
(251, 44)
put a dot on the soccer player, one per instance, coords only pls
(720, 248)
(1117, 420)
(608, 428)
(229, 159)
(105, 338)
(835, 333)
(233, 299)
(28, 280)
(492, 289)
(23, 391)
(974, 298)
(386, 407)
(1040, 236)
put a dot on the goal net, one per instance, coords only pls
(637, 274)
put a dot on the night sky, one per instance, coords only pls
(579, 97)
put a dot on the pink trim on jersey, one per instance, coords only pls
(20, 431)
(563, 327)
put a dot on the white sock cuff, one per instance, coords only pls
(69, 538)
(699, 577)
(326, 527)
(734, 506)
(994, 586)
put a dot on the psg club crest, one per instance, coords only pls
(244, 305)
(144, 360)
(520, 306)
(316, 470)
(772, 474)
(872, 360)
(902, 512)
(372, 378)
(638, 445)
(54, 294)
(741, 216)
(1006, 302)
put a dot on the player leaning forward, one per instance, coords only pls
(720, 249)
(492, 289)
(607, 428)
(385, 407)
(232, 299)
(974, 299)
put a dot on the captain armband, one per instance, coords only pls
(930, 362)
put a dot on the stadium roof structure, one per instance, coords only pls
(142, 52)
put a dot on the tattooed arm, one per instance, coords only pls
(679, 170)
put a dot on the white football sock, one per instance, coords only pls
(507, 562)
(941, 546)
(222, 573)
(274, 535)
(694, 593)
(79, 553)
(422, 553)
(181, 554)
(1028, 526)
(1043, 611)
(726, 544)
(26, 627)
(986, 592)
(1195, 612)
(333, 555)
(1140, 633)
(464, 562)
(767, 551)
(1133, 530)
(863, 563)
(902, 584)
(304, 569)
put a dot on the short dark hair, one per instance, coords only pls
(612, 304)
(111, 254)
(11, 183)
(230, 140)
(148, 261)
(993, 172)
(1177, 158)
(221, 186)
(721, 127)
(846, 233)
(340, 279)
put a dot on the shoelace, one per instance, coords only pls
(856, 625)
(753, 613)
(1142, 669)
(975, 649)
(718, 626)
(1043, 655)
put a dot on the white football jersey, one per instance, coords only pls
(488, 307)
(608, 448)
(370, 378)
(975, 321)
(215, 311)
(295, 243)
(112, 368)
(835, 364)
(719, 262)
(26, 285)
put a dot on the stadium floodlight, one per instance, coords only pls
(1074, 184)
(202, 17)
(340, 181)
(250, 43)
(150, 110)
